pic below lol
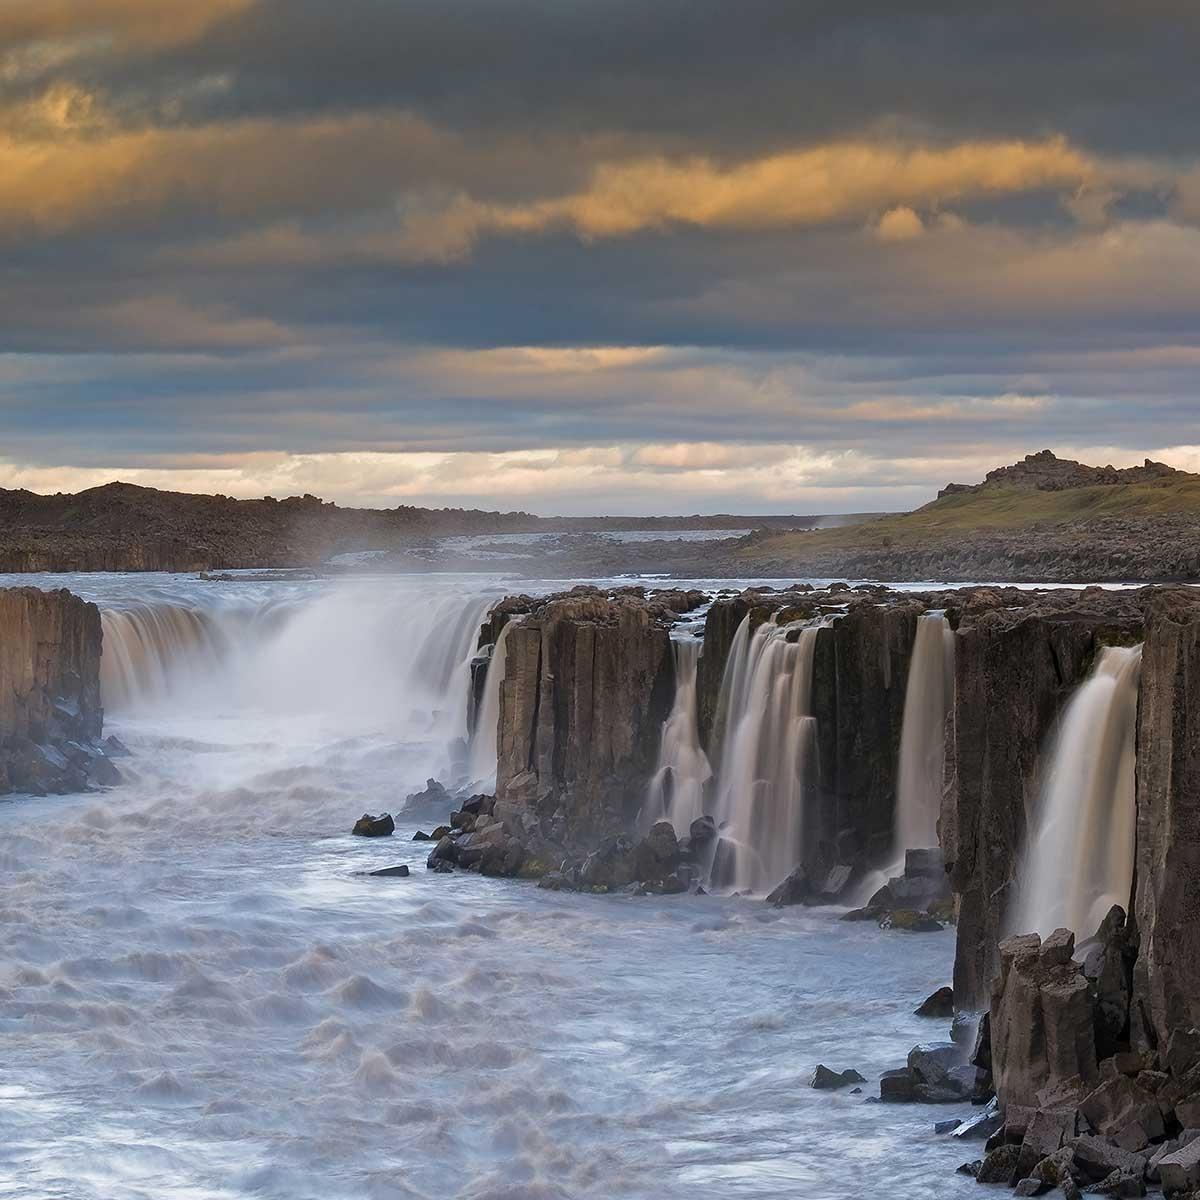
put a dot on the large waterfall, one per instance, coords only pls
(1079, 860)
(676, 791)
(767, 754)
(363, 656)
(928, 698)
(481, 763)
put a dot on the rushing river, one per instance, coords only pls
(202, 996)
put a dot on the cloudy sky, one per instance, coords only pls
(584, 256)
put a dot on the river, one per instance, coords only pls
(203, 997)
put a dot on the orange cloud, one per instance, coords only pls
(145, 23)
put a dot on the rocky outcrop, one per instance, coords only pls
(50, 713)
(1046, 472)
(1014, 669)
(589, 680)
(1167, 910)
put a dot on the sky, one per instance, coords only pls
(574, 256)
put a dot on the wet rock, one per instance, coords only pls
(1108, 968)
(1030, 1187)
(502, 858)
(910, 921)
(940, 1074)
(702, 831)
(825, 1079)
(440, 832)
(969, 1168)
(897, 1087)
(1119, 1183)
(371, 826)
(421, 836)
(114, 747)
(793, 890)
(870, 913)
(940, 1004)
(946, 1126)
(446, 851)
(433, 796)
(982, 1125)
(999, 1165)
(397, 872)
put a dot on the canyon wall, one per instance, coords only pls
(50, 714)
(588, 682)
(1167, 873)
(1014, 669)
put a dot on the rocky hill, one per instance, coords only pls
(1042, 519)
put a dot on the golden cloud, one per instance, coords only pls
(144, 23)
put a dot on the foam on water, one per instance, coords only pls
(201, 995)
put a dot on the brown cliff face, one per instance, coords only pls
(49, 690)
(588, 683)
(1167, 881)
(1014, 670)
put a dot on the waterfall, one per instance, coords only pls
(365, 656)
(1079, 858)
(768, 750)
(927, 699)
(676, 790)
(146, 648)
(484, 749)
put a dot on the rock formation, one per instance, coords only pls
(1014, 667)
(50, 714)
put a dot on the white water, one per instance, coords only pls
(677, 788)
(484, 737)
(768, 743)
(202, 997)
(1079, 860)
(927, 699)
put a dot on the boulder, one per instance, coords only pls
(1180, 1171)
(793, 890)
(999, 1165)
(825, 1079)
(370, 826)
(1097, 1158)
(398, 872)
(940, 1004)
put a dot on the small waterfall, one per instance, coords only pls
(484, 748)
(676, 791)
(1079, 859)
(768, 751)
(927, 699)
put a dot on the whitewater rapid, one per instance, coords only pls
(202, 996)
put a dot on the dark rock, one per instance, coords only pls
(793, 890)
(399, 872)
(440, 832)
(969, 1168)
(999, 1166)
(434, 796)
(940, 1004)
(1097, 1158)
(114, 747)
(940, 1076)
(446, 851)
(825, 1079)
(369, 826)
(982, 1125)
(441, 865)
(1119, 1106)
(946, 1126)
(863, 914)
(1118, 1183)
(703, 831)
(1041, 1021)
(1030, 1187)
(1108, 967)
(897, 1087)
(503, 859)
(421, 836)
(1180, 1171)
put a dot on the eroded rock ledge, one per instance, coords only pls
(50, 714)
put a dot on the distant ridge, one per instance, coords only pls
(1045, 472)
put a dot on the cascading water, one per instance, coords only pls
(148, 647)
(767, 754)
(927, 699)
(481, 762)
(1079, 859)
(676, 791)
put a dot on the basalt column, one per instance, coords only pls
(588, 683)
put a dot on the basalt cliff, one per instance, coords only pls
(50, 712)
(1088, 1043)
